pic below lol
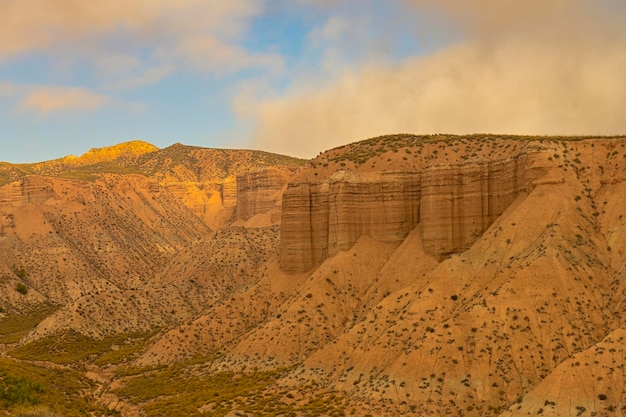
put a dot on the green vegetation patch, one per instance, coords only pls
(18, 390)
(71, 347)
(21, 288)
(125, 347)
(61, 391)
(13, 327)
(182, 390)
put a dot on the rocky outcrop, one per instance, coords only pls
(319, 220)
(261, 191)
(219, 203)
(453, 205)
(459, 203)
(30, 189)
(229, 191)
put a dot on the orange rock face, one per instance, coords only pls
(459, 203)
(261, 191)
(27, 190)
(453, 197)
(453, 205)
(319, 220)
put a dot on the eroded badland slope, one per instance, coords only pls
(439, 275)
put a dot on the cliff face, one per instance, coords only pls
(261, 191)
(459, 203)
(452, 205)
(321, 219)
(453, 197)
(31, 189)
(219, 203)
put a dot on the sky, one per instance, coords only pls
(301, 76)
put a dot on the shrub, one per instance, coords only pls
(21, 288)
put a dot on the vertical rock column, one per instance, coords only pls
(304, 226)
(229, 191)
(258, 192)
(321, 219)
(459, 203)
(382, 206)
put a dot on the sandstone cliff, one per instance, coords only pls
(205, 180)
(261, 192)
(387, 192)
(321, 219)
(31, 189)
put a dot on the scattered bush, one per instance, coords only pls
(21, 288)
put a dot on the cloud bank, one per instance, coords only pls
(532, 67)
(130, 43)
(47, 100)
(125, 44)
(190, 32)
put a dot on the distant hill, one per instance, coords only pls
(138, 157)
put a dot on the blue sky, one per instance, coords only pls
(301, 76)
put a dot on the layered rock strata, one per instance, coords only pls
(453, 205)
(459, 203)
(30, 189)
(261, 191)
(319, 220)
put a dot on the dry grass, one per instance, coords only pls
(186, 391)
(13, 327)
(71, 347)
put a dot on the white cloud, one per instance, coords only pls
(534, 67)
(46, 99)
(167, 34)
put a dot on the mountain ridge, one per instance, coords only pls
(141, 157)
